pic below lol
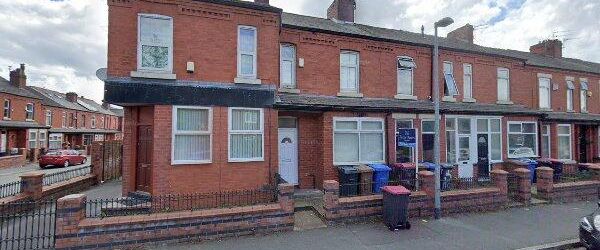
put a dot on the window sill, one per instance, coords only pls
(448, 99)
(470, 100)
(505, 102)
(29, 120)
(180, 163)
(567, 161)
(585, 112)
(6, 118)
(350, 94)
(289, 90)
(546, 109)
(153, 75)
(245, 160)
(405, 97)
(570, 111)
(247, 80)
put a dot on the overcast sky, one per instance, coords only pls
(63, 42)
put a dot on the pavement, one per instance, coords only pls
(12, 174)
(513, 228)
(106, 190)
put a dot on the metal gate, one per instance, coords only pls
(27, 225)
(112, 159)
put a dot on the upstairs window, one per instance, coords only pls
(29, 111)
(48, 117)
(450, 87)
(155, 43)
(467, 81)
(247, 52)
(583, 98)
(288, 66)
(503, 84)
(83, 121)
(93, 121)
(349, 71)
(544, 92)
(405, 76)
(64, 120)
(7, 109)
(570, 90)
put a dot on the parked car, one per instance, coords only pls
(63, 158)
(589, 230)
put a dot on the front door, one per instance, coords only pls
(3, 141)
(144, 159)
(288, 154)
(583, 144)
(483, 161)
(465, 163)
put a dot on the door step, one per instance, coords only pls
(307, 219)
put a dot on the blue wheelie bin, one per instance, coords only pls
(381, 175)
(531, 165)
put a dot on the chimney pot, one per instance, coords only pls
(71, 96)
(18, 77)
(342, 10)
(464, 33)
(262, 1)
(551, 48)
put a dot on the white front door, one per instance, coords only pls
(3, 140)
(465, 150)
(288, 154)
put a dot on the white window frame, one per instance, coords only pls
(358, 131)
(545, 104)
(53, 138)
(548, 135)
(175, 132)
(401, 68)
(291, 85)
(583, 102)
(93, 121)
(139, 44)
(507, 85)
(254, 55)
(356, 69)
(7, 109)
(508, 133)
(467, 74)
(64, 119)
(570, 95)
(28, 111)
(450, 84)
(48, 117)
(412, 126)
(34, 140)
(558, 135)
(42, 139)
(251, 132)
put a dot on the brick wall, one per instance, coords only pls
(12, 161)
(569, 191)
(74, 230)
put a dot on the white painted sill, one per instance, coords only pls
(153, 75)
(448, 99)
(350, 94)
(289, 90)
(247, 80)
(405, 97)
(505, 102)
(469, 100)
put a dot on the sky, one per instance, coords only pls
(64, 42)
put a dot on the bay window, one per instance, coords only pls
(42, 138)
(32, 139)
(564, 142)
(467, 81)
(570, 89)
(522, 139)
(546, 141)
(358, 141)
(247, 52)
(503, 84)
(246, 134)
(405, 81)
(544, 93)
(583, 96)
(191, 140)
(55, 141)
(155, 43)
(349, 72)
(288, 66)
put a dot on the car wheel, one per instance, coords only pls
(42, 166)
(84, 161)
(66, 164)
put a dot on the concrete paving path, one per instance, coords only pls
(508, 229)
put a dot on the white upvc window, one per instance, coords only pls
(583, 96)
(64, 119)
(570, 90)
(42, 138)
(288, 66)
(192, 135)
(405, 81)
(544, 93)
(522, 139)
(246, 134)
(32, 139)
(450, 87)
(467, 81)
(155, 43)
(247, 40)
(349, 72)
(48, 117)
(503, 84)
(564, 142)
(358, 141)
(93, 121)
(29, 111)
(546, 148)
(55, 141)
(7, 109)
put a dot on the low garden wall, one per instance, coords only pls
(13, 160)
(574, 190)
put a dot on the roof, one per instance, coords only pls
(20, 124)
(329, 103)
(8, 88)
(83, 131)
(572, 117)
(118, 112)
(245, 4)
(317, 24)
(56, 99)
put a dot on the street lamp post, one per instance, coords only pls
(436, 101)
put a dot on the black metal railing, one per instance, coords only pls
(66, 175)
(10, 189)
(374, 187)
(27, 225)
(102, 208)
(574, 177)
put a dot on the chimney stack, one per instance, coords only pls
(551, 48)
(71, 96)
(464, 33)
(342, 10)
(18, 77)
(262, 1)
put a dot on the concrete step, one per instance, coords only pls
(307, 220)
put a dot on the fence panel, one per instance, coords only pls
(27, 225)
(112, 155)
(10, 189)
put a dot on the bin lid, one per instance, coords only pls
(397, 165)
(380, 167)
(397, 190)
(428, 165)
(364, 169)
(348, 169)
(409, 165)
(447, 166)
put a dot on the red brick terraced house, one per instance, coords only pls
(222, 95)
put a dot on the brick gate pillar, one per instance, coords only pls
(427, 180)
(500, 180)
(545, 181)
(32, 184)
(285, 197)
(523, 184)
(70, 210)
(595, 170)
(331, 199)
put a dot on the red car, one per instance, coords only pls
(63, 158)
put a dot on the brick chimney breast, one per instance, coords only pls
(71, 96)
(464, 33)
(262, 1)
(342, 10)
(551, 48)
(18, 77)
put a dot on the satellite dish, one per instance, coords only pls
(101, 74)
